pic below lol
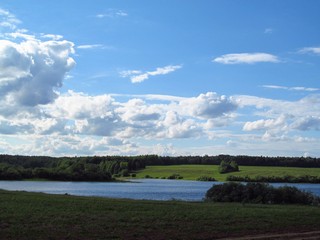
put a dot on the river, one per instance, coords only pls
(151, 189)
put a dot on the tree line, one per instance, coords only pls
(105, 168)
(68, 168)
(242, 160)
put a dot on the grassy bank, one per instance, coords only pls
(192, 172)
(41, 216)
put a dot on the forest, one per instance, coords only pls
(107, 168)
(68, 168)
(241, 160)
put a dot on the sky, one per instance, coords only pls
(166, 77)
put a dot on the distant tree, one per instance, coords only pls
(234, 166)
(223, 167)
(226, 166)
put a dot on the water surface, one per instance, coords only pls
(151, 189)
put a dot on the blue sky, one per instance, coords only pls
(160, 77)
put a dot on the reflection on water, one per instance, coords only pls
(152, 189)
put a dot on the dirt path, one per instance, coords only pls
(289, 236)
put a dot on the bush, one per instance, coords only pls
(206, 178)
(125, 173)
(133, 175)
(147, 176)
(270, 179)
(175, 176)
(259, 193)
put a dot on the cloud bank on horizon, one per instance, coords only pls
(258, 97)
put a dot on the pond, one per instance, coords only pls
(151, 189)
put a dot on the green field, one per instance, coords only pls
(192, 172)
(42, 216)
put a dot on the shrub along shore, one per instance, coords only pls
(260, 193)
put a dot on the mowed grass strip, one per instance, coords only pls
(192, 172)
(42, 216)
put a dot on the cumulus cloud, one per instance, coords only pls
(31, 70)
(104, 116)
(247, 58)
(137, 76)
(100, 126)
(263, 124)
(79, 106)
(307, 123)
(77, 123)
(284, 119)
(14, 127)
(138, 110)
(209, 105)
(177, 127)
(40, 120)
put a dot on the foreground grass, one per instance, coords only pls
(41, 216)
(192, 172)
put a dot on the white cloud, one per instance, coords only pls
(137, 76)
(307, 123)
(247, 58)
(104, 116)
(268, 30)
(112, 13)
(264, 124)
(209, 105)
(164, 70)
(8, 20)
(159, 97)
(283, 118)
(30, 71)
(129, 73)
(271, 108)
(314, 50)
(121, 13)
(90, 46)
(54, 37)
(136, 110)
(80, 124)
(307, 89)
(81, 106)
(175, 126)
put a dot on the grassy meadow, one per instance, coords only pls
(192, 172)
(41, 216)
